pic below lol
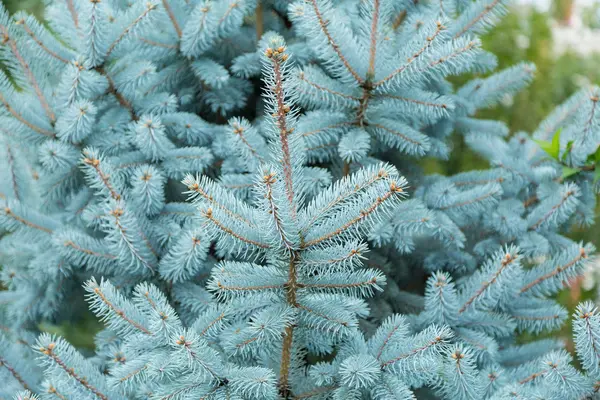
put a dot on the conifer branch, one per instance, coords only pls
(123, 233)
(353, 285)
(582, 255)
(398, 20)
(134, 373)
(74, 16)
(333, 44)
(24, 121)
(194, 355)
(277, 57)
(169, 11)
(273, 210)
(49, 351)
(239, 131)
(259, 19)
(112, 89)
(288, 336)
(414, 57)
(415, 101)
(95, 164)
(314, 393)
(321, 315)
(74, 246)
(158, 44)
(396, 133)
(478, 18)
(334, 126)
(39, 42)
(532, 377)
(150, 7)
(302, 77)
(208, 214)
(345, 195)
(508, 259)
(248, 288)
(468, 202)
(552, 210)
(28, 73)
(196, 188)
(11, 167)
(212, 323)
(52, 390)
(9, 213)
(4, 363)
(363, 215)
(118, 312)
(455, 54)
(413, 352)
(386, 341)
(373, 46)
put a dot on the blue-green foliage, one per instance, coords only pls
(314, 260)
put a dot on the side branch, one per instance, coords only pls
(478, 18)
(333, 44)
(508, 259)
(114, 44)
(363, 215)
(39, 42)
(281, 120)
(22, 120)
(49, 351)
(582, 255)
(27, 70)
(120, 313)
(414, 57)
(14, 373)
(208, 214)
(172, 17)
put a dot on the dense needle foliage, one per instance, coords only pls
(311, 258)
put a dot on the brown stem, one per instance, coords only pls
(259, 20)
(333, 44)
(8, 212)
(346, 170)
(49, 351)
(11, 166)
(508, 259)
(39, 42)
(120, 313)
(114, 44)
(14, 373)
(482, 14)
(28, 73)
(172, 17)
(559, 269)
(288, 337)
(373, 47)
(74, 16)
(22, 120)
(112, 89)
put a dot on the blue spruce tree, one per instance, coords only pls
(313, 260)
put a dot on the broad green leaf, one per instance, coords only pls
(553, 147)
(568, 171)
(597, 173)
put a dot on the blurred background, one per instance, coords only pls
(562, 38)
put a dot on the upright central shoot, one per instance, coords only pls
(292, 254)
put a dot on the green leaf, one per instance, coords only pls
(568, 171)
(597, 173)
(552, 148)
(568, 149)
